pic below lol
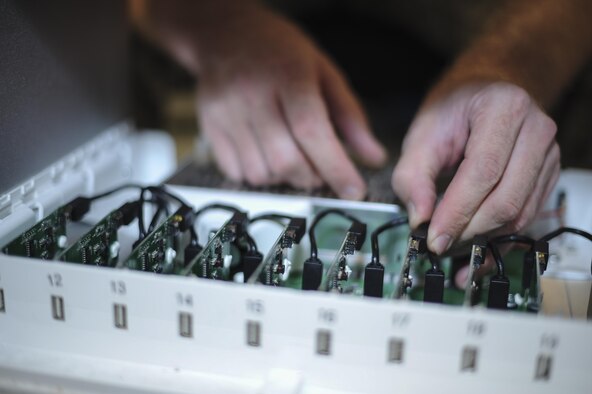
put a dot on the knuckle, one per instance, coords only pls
(490, 169)
(506, 211)
(305, 128)
(548, 127)
(257, 177)
(283, 163)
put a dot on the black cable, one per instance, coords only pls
(497, 257)
(374, 237)
(274, 217)
(515, 238)
(161, 190)
(571, 230)
(311, 231)
(224, 207)
(562, 230)
(115, 190)
(434, 260)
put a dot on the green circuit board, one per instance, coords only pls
(45, 240)
(99, 246)
(158, 251)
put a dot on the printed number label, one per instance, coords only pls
(55, 280)
(476, 328)
(184, 299)
(118, 287)
(256, 306)
(549, 341)
(401, 320)
(328, 315)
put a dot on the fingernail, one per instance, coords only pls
(442, 243)
(352, 193)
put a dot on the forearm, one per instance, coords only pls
(537, 45)
(188, 28)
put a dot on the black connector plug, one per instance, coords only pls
(541, 250)
(359, 229)
(129, 211)
(499, 290)
(312, 274)
(240, 220)
(421, 234)
(373, 280)
(299, 227)
(187, 217)
(78, 208)
(191, 252)
(434, 286)
(251, 260)
(479, 249)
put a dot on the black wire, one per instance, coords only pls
(562, 230)
(515, 238)
(224, 207)
(571, 230)
(162, 191)
(274, 217)
(374, 237)
(229, 208)
(497, 257)
(434, 260)
(115, 190)
(311, 231)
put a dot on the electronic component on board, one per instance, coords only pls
(339, 271)
(47, 239)
(312, 273)
(478, 253)
(100, 246)
(415, 246)
(157, 252)
(275, 267)
(213, 262)
(374, 270)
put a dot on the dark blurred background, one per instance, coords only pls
(391, 52)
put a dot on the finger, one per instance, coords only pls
(545, 183)
(310, 125)
(225, 152)
(495, 120)
(422, 159)
(239, 126)
(349, 117)
(284, 158)
(517, 189)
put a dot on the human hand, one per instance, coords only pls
(272, 105)
(509, 162)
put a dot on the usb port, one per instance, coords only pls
(120, 316)
(2, 306)
(468, 361)
(253, 333)
(185, 324)
(395, 350)
(57, 307)
(324, 342)
(543, 367)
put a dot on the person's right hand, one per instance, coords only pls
(270, 103)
